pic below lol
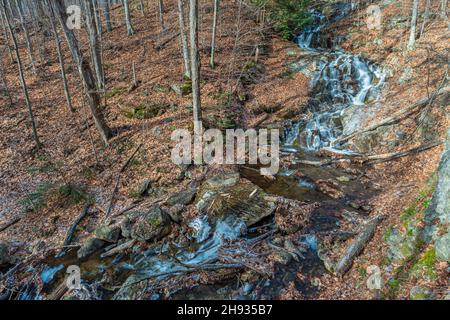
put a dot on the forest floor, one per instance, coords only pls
(47, 187)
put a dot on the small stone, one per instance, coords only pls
(144, 187)
(343, 179)
(91, 246)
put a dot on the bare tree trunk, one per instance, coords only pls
(187, 67)
(21, 76)
(5, 81)
(426, 16)
(130, 30)
(98, 21)
(6, 34)
(161, 14)
(213, 38)
(27, 35)
(94, 43)
(141, 7)
(444, 5)
(107, 14)
(412, 35)
(85, 73)
(195, 65)
(60, 57)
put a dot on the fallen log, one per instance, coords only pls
(118, 249)
(395, 155)
(358, 245)
(9, 223)
(377, 158)
(72, 230)
(396, 117)
(166, 41)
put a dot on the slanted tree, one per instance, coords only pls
(412, 34)
(94, 42)
(98, 22)
(7, 40)
(195, 65)
(213, 37)
(426, 16)
(85, 72)
(126, 6)
(60, 56)
(23, 83)
(184, 41)
(4, 80)
(26, 34)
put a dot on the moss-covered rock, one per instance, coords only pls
(153, 225)
(108, 233)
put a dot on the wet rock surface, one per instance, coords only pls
(88, 248)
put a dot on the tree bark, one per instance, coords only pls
(426, 16)
(126, 6)
(184, 42)
(107, 14)
(195, 65)
(21, 76)
(60, 58)
(412, 35)
(27, 35)
(85, 72)
(94, 41)
(214, 28)
(161, 14)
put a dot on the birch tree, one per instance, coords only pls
(21, 74)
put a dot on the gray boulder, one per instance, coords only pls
(91, 246)
(153, 225)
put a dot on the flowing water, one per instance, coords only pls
(342, 81)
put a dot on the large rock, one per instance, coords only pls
(443, 247)
(227, 194)
(108, 233)
(183, 197)
(4, 254)
(153, 225)
(401, 247)
(91, 246)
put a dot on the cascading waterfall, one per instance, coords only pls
(343, 80)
